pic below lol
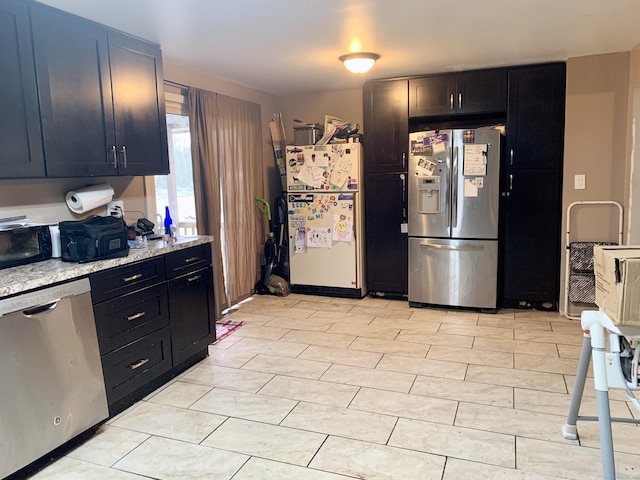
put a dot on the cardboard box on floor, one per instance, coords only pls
(617, 270)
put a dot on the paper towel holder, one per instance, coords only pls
(88, 198)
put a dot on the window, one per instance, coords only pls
(176, 189)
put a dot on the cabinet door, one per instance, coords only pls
(72, 65)
(20, 120)
(483, 91)
(192, 314)
(535, 118)
(386, 126)
(138, 103)
(386, 245)
(432, 96)
(531, 242)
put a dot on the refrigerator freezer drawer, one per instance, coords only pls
(460, 273)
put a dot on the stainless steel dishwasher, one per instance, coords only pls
(51, 383)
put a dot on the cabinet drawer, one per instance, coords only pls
(122, 320)
(128, 278)
(188, 260)
(136, 364)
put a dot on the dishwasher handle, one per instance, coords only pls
(41, 309)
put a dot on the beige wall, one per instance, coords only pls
(43, 200)
(633, 149)
(312, 107)
(595, 145)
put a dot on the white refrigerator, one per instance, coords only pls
(325, 219)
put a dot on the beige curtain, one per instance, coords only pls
(227, 173)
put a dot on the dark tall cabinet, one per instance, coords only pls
(532, 194)
(385, 166)
(20, 120)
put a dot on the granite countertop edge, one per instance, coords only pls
(49, 272)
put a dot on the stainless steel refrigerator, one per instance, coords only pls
(325, 218)
(454, 189)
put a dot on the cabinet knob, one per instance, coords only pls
(511, 157)
(451, 105)
(460, 101)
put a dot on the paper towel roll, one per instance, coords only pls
(88, 198)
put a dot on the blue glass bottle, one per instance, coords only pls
(167, 221)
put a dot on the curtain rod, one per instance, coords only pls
(176, 84)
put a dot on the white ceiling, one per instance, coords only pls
(292, 46)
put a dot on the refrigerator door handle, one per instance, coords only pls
(447, 196)
(453, 248)
(454, 194)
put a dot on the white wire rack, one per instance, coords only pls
(583, 281)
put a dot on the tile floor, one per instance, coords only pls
(318, 388)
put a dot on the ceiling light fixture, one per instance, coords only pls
(359, 62)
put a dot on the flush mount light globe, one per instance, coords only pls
(359, 62)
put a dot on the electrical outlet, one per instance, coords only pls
(579, 182)
(115, 208)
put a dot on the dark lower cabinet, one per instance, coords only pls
(192, 314)
(531, 239)
(135, 366)
(150, 328)
(386, 244)
(20, 137)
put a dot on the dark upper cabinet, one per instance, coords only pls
(101, 99)
(138, 105)
(72, 63)
(20, 120)
(386, 244)
(535, 118)
(473, 92)
(386, 126)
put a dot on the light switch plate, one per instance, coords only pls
(579, 182)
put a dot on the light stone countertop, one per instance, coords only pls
(41, 274)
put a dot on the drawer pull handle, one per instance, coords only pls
(136, 316)
(132, 277)
(191, 259)
(194, 278)
(138, 364)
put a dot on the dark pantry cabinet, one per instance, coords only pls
(20, 120)
(532, 197)
(473, 92)
(385, 167)
(100, 96)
